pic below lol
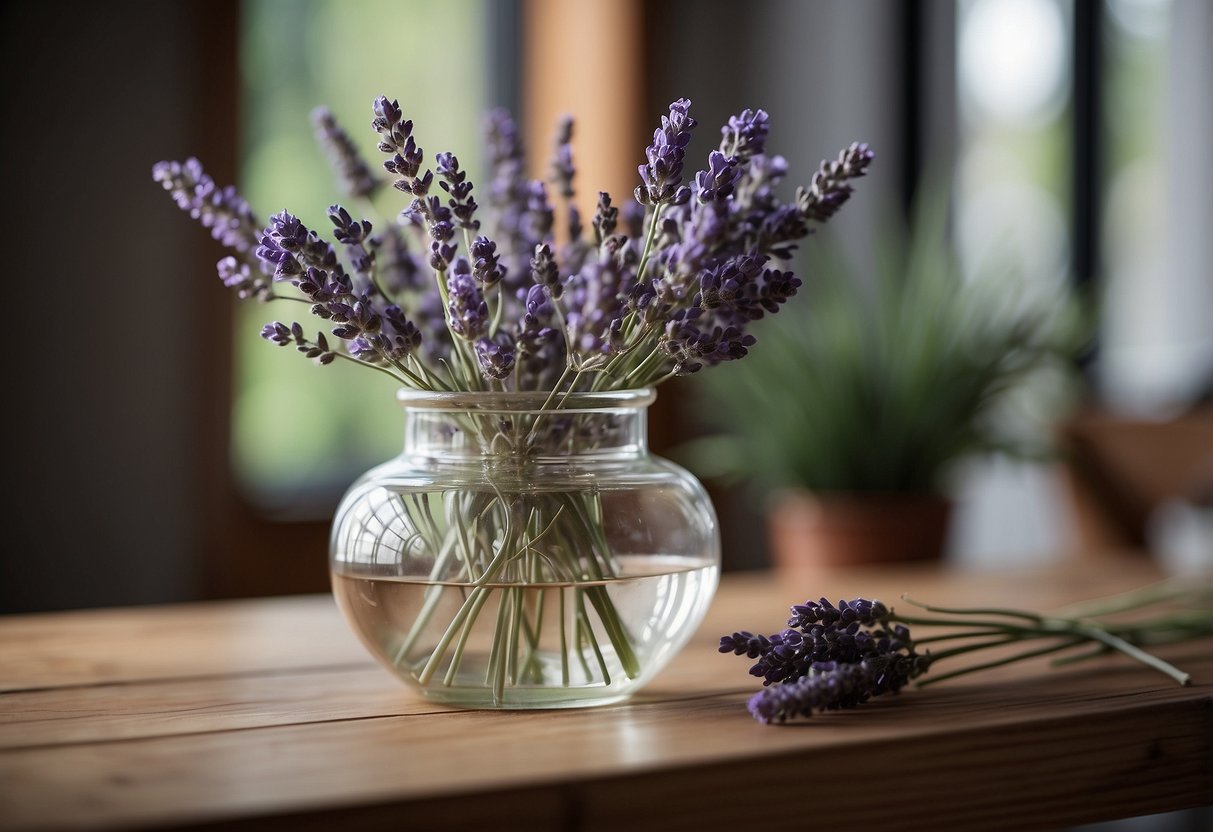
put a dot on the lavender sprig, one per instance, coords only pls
(222, 210)
(830, 189)
(404, 156)
(661, 175)
(832, 657)
(353, 173)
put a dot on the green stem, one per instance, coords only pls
(1125, 601)
(593, 640)
(954, 636)
(1117, 643)
(971, 648)
(975, 611)
(384, 370)
(564, 645)
(1043, 651)
(457, 655)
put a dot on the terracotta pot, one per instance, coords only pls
(809, 529)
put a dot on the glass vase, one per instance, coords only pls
(525, 550)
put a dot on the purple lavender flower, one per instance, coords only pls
(238, 276)
(468, 312)
(719, 180)
(827, 687)
(222, 210)
(486, 266)
(704, 277)
(357, 317)
(438, 217)
(536, 329)
(632, 217)
(399, 270)
(496, 356)
(792, 651)
(455, 182)
(506, 159)
(852, 632)
(441, 256)
(353, 173)
(563, 170)
(745, 643)
(861, 610)
(829, 189)
(540, 347)
(597, 301)
(832, 685)
(545, 272)
(290, 247)
(539, 216)
(661, 175)
(745, 136)
(606, 217)
(396, 139)
(395, 339)
(645, 301)
(282, 335)
(278, 333)
(354, 235)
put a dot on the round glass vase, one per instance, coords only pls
(525, 550)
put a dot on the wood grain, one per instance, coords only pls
(320, 738)
(187, 641)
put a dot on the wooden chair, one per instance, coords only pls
(1118, 471)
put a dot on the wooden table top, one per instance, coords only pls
(268, 714)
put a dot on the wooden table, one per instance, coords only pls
(268, 714)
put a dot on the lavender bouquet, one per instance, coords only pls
(835, 657)
(450, 296)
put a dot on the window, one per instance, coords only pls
(1014, 102)
(301, 433)
(1158, 342)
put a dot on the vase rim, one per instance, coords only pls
(525, 401)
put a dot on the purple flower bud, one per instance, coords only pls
(719, 180)
(486, 267)
(496, 357)
(745, 135)
(661, 175)
(563, 170)
(545, 272)
(277, 332)
(830, 190)
(353, 174)
(469, 314)
(745, 643)
(222, 210)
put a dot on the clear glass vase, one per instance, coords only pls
(525, 551)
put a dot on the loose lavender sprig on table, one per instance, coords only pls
(834, 657)
(504, 290)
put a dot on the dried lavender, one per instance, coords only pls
(834, 657)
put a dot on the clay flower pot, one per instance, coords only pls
(845, 529)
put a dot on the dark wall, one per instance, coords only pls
(105, 342)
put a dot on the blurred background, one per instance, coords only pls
(159, 451)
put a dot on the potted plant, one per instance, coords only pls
(851, 416)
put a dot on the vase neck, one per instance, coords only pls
(504, 428)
